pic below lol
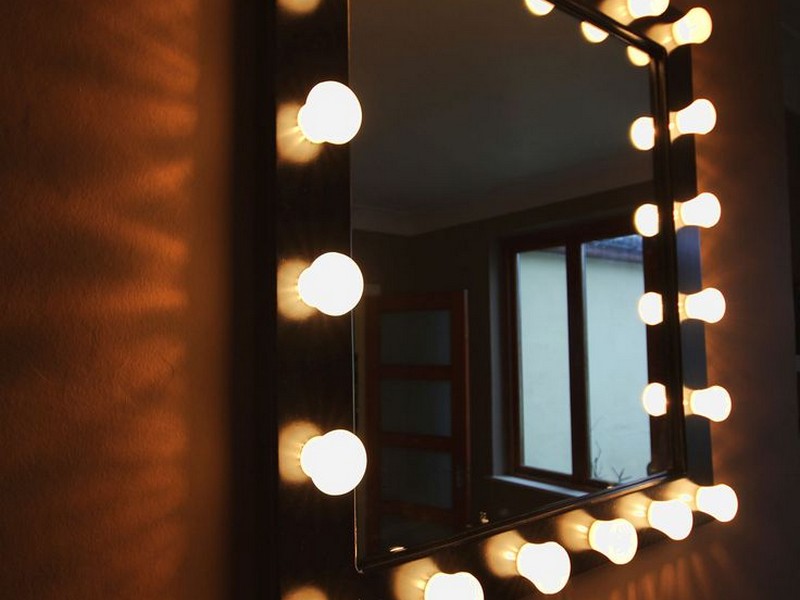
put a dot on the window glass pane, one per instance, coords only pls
(416, 407)
(619, 430)
(544, 360)
(415, 337)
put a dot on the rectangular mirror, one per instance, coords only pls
(499, 356)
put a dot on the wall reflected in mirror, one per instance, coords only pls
(499, 359)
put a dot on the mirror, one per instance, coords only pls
(499, 358)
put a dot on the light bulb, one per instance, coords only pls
(539, 8)
(673, 518)
(643, 133)
(701, 211)
(719, 501)
(335, 462)
(593, 33)
(546, 565)
(654, 399)
(651, 308)
(708, 305)
(713, 403)
(332, 113)
(616, 539)
(694, 28)
(646, 220)
(699, 117)
(638, 57)
(458, 586)
(647, 8)
(332, 284)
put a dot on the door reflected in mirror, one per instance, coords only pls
(499, 357)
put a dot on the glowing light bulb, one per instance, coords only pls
(699, 117)
(646, 220)
(461, 586)
(335, 462)
(694, 28)
(708, 305)
(638, 57)
(332, 284)
(719, 501)
(546, 565)
(616, 539)
(713, 403)
(647, 8)
(539, 8)
(701, 211)
(643, 133)
(654, 399)
(651, 308)
(332, 113)
(592, 33)
(673, 518)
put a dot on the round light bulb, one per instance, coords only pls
(335, 462)
(699, 117)
(719, 501)
(654, 399)
(592, 33)
(332, 113)
(713, 403)
(638, 57)
(651, 308)
(647, 8)
(694, 28)
(643, 133)
(616, 539)
(673, 518)
(708, 305)
(332, 284)
(539, 8)
(546, 565)
(702, 211)
(458, 586)
(646, 220)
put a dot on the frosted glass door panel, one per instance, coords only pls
(416, 407)
(417, 477)
(415, 338)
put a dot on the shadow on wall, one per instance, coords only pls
(98, 167)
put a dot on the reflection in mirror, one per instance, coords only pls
(499, 358)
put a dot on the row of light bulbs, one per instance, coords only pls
(333, 284)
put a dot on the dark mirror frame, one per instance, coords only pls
(288, 535)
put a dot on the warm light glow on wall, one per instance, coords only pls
(651, 308)
(299, 7)
(703, 210)
(713, 403)
(592, 33)
(616, 539)
(333, 284)
(461, 586)
(719, 501)
(646, 220)
(539, 8)
(335, 462)
(637, 57)
(672, 517)
(546, 565)
(332, 113)
(654, 399)
(708, 306)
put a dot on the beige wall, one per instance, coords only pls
(113, 206)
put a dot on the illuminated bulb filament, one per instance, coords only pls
(713, 403)
(592, 33)
(332, 284)
(702, 211)
(643, 133)
(694, 28)
(332, 113)
(539, 8)
(708, 305)
(673, 518)
(647, 8)
(546, 565)
(461, 586)
(651, 308)
(646, 220)
(699, 117)
(335, 462)
(616, 539)
(654, 399)
(719, 501)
